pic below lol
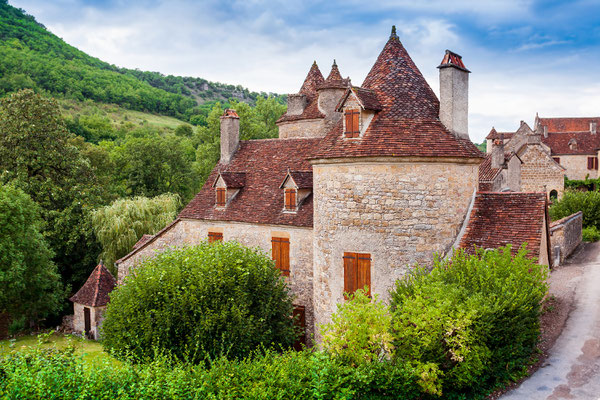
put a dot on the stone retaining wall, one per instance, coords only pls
(565, 236)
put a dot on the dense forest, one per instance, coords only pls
(80, 139)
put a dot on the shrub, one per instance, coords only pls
(360, 330)
(210, 300)
(574, 201)
(590, 234)
(53, 374)
(473, 320)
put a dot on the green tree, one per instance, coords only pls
(209, 300)
(37, 155)
(120, 225)
(30, 283)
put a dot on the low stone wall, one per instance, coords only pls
(565, 236)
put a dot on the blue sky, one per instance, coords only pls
(525, 56)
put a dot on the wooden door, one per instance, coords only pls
(87, 321)
(299, 315)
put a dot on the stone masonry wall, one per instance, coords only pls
(577, 167)
(96, 318)
(308, 128)
(189, 232)
(399, 212)
(566, 234)
(540, 173)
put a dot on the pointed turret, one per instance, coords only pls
(334, 80)
(312, 81)
(330, 93)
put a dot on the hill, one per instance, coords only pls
(33, 57)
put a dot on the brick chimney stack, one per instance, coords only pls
(230, 135)
(454, 94)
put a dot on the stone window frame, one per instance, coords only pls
(592, 163)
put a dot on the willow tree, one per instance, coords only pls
(121, 224)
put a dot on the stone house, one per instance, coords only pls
(90, 301)
(362, 183)
(538, 171)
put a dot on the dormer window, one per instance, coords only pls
(352, 119)
(573, 144)
(221, 197)
(290, 199)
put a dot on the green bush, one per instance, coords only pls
(472, 322)
(53, 374)
(199, 302)
(590, 234)
(360, 330)
(574, 201)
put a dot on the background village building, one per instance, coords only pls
(90, 302)
(362, 183)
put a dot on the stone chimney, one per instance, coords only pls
(230, 135)
(296, 103)
(593, 125)
(545, 131)
(454, 94)
(498, 152)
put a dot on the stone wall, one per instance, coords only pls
(96, 318)
(539, 173)
(399, 211)
(308, 128)
(189, 232)
(576, 166)
(566, 235)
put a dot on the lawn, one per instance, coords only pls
(91, 351)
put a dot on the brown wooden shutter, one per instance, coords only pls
(215, 237)
(364, 272)
(350, 278)
(596, 163)
(348, 116)
(355, 125)
(290, 199)
(299, 315)
(357, 272)
(281, 254)
(590, 163)
(221, 196)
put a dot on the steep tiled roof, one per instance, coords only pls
(497, 135)
(143, 240)
(498, 219)
(366, 97)
(234, 180)
(334, 80)
(579, 124)
(309, 89)
(486, 172)
(408, 124)
(266, 163)
(587, 143)
(95, 291)
(303, 179)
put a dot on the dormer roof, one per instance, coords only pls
(334, 80)
(367, 99)
(494, 134)
(95, 291)
(408, 123)
(233, 180)
(309, 89)
(302, 179)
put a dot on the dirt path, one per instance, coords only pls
(572, 369)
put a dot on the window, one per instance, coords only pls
(215, 237)
(557, 159)
(352, 126)
(290, 199)
(553, 195)
(357, 272)
(221, 197)
(592, 163)
(281, 254)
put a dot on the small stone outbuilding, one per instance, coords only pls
(90, 301)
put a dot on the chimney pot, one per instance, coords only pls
(545, 131)
(593, 126)
(230, 135)
(498, 153)
(454, 95)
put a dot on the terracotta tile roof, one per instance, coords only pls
(334, 80)
(302, 179)
(587, 143)
(498, 219)
(486, 172)
(366, 97)
(497, 135)
(309, 89)
(138, 246)
(143, 240)
(234, 180)
(579, 124)
(95, 291)
(408, 124)
(452, 59)
(266, 163)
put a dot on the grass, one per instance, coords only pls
(91, 351)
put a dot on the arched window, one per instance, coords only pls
(553, 195)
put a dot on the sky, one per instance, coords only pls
(525, 56)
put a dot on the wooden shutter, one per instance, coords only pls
(355, 126)
(348, 116)
(290, 199)
(299, 315)
(215, 237)
(281, 254)
(596, 163)
(221, 196)
(352, 123)
(357, 272)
